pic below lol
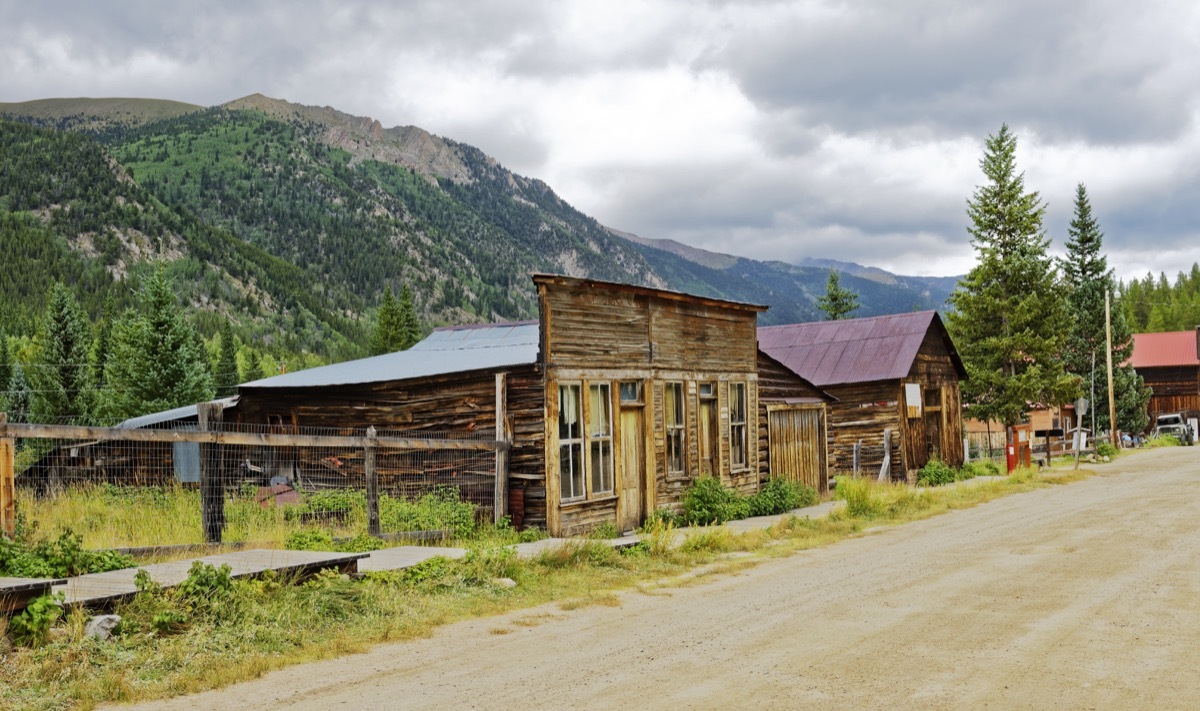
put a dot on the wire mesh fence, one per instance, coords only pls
(186, 483)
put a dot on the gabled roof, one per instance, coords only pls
(857, 350)
(446, 351)
(1158, 350)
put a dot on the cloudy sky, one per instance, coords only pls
(773, 130)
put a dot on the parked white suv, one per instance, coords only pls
(1175, 426)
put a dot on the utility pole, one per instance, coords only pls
(1112, 400)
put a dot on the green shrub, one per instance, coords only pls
(708, 502)
(32, 626)
(1106, 449)
(605, 531)
(60, 558)
(662, 518)
(780, 496)
(936, 473)
(531, 534)
(985, 467)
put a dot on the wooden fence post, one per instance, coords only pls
(212, 490)
(500, 496)
(8, 469)
(372, 484)
(857, 458)
(885, 472)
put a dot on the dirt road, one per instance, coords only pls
(1078, 596)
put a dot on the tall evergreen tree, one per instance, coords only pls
(1008, 322)
(837, 303)
(20, 400)
(158, 360)
(254, 369)
(59, 377)
(226, 376)
(1088, 278)
(102, 345)
(388, 335)
(6, 366)
(410, 325)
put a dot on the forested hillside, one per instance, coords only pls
(293, 221)
(1154, 304)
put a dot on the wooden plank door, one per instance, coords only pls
(633, 468)
(797, 442)
(708, 437)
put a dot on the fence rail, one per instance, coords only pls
(235, 482)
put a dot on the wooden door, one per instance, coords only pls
(797, 445)
(708, 437)
(633, 468)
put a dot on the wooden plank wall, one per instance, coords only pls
(798, 443)
(863, 411)
(933, 368)
(1176, 389)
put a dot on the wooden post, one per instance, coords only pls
(857, 458)
(885, 472)
(372, 484)
(8, 468)
(501, 490)
(1112, 400)
(212, 490)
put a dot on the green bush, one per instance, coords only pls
(662, 518)
(708, 502)
(32, 626)
(936, 473)
(60, 558)
(780, 496)
(1106, 449)
(970, 470)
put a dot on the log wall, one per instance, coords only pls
(1176, 389)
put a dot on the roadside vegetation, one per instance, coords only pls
(213, 630)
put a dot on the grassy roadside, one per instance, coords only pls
(218, 631)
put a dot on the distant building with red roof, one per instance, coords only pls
(1168, 363)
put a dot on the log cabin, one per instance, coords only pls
(898, 374)
(613, 402)
(1168, 363)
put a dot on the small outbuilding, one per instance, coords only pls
(897, 374)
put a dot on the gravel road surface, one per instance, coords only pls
(1082, 596)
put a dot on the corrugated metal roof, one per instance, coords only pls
(449, 350)
(179, 413)
(1158, 350)
(854, 350)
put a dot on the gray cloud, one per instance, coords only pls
(861, 131)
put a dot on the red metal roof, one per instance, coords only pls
(857, 350)
(1158, 350)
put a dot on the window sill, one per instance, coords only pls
(575, 503)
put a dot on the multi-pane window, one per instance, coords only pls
(570, 441)
(600, 434)
(673, 416)
(737, 425)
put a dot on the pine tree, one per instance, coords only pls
(1088, 278)
(6, 366)
(254, 369)
(102, 345)
(837, 303)
(59, 377)
(158, 360)
(410, 325)
(20, 400)
(1008, 322)
(226, 376)
(388, 335)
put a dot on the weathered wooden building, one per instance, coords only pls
(1167, 363)
(793, 426)
(613, 402)
(898, 374)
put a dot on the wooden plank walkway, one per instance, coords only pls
(15, 593)
(100, 588)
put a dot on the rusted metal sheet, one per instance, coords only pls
(855, 350)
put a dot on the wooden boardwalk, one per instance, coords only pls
(101, 588)
(15, 593)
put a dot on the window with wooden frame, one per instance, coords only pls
(673, 419)
(600, 437)
(570, 442)
(738, 444)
